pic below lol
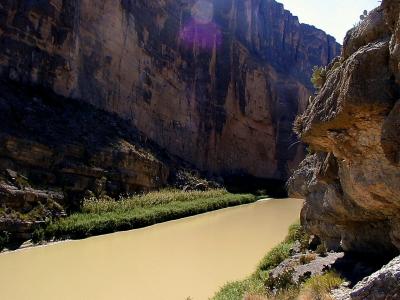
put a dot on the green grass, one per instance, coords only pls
(255, 284)
(107, 216)
(282, 251)
(150, 200)
(255, 287)
(318, 287)
(238, 289)
(275, 257)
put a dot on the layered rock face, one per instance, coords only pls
(351, 183)
(217, 83)
(53, 151)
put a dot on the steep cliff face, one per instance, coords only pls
(217, 83)
(53, 151)
(351, 182)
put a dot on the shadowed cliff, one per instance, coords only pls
(217, 83)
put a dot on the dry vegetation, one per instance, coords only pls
(106, 215)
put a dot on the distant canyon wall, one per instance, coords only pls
(217, 83)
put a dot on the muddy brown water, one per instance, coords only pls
(191, 257)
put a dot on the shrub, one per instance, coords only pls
(102, 216)
(283, 250)
(275, 256)
(364, 15)
(318, 77)
(254, 288)
(281, 282)
(290, 293)
(298, 125)
(298, 233)
(307, 258)
(241, 290)
(319, 287)
(4, 239)
(232, 290)
(107, 204)
(38, 236)
(321, 250)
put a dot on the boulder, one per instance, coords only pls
(383, 284)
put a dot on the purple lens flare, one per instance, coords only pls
(200, 31)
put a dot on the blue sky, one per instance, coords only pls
(333, 16)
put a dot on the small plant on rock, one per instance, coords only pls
(318, 77)
(298, 233)
(321, 250)
(319, 287)
(275, 257)
(307, 258)
(298, 125)
(364, 15)
(281, 282)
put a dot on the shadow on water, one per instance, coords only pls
(273, 188)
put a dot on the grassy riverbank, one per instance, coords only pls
(107, 216)
(256, 286)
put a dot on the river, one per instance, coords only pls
(191, 257)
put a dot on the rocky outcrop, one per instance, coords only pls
(351, 181)
(53, 151)
(217, 83)
(383, 284)
(301, 270)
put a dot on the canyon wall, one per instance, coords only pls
(217, 83)
(351, 179)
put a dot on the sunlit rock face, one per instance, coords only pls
(217, 83)
(352, 182)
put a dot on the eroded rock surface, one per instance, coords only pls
(383, 284)
(352, 181)
(54, 150)
(317, 266)
(217, 83)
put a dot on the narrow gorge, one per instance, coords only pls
(113, 97)
(202, 91)
(121, 114)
